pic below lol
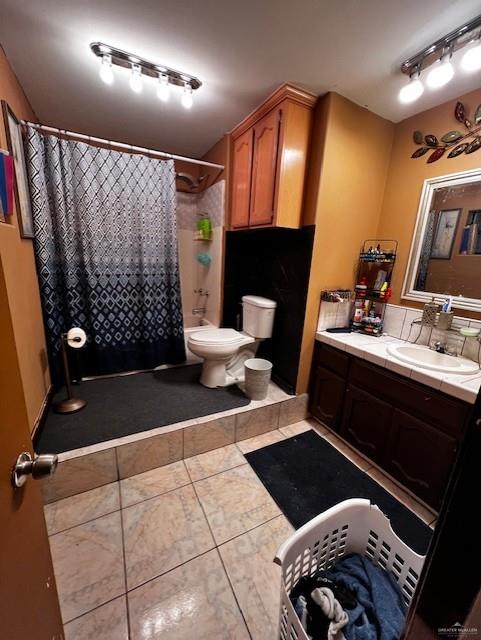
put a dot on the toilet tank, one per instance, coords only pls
(258, 316)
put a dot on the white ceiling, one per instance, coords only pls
(240, 49)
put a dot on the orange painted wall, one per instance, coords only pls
(406, 176)
(345, 187)
(20, 276)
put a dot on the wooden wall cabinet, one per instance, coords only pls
(411, 431)
(269, 161)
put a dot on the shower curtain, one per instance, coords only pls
(106, 251)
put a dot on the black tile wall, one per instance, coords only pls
(273, 263)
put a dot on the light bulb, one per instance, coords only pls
(471, 61)
(136, 79)
(187, 100)
(441, 74)
(411, 91)
(106, 72)
(163, 90)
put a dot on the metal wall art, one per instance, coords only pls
(454, 141)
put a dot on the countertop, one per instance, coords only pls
(464, 387)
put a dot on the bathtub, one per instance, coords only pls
(193, 324)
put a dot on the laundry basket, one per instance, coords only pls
(352, 526)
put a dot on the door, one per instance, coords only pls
(28, 597)
(264, 169)
(241, 180)
(326, 397)
(366, 422)
(420, 456)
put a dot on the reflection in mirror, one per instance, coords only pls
(446, 252)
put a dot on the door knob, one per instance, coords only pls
(38, 467)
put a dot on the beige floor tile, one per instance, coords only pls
(81, 508)
(255, 578)
(209, 435)
(108, 622)
(346, 450)
(260, 420)
(297, 428)
(293, 410)
(88, 564)
(422, 512)
(162, 533)
(153, 483)
(433, 524)
(257, 442)
(207, 464)
(318, 427)
(235, 501)
(80, 474)
(193, 601)
(150, 453)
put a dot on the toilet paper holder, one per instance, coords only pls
(75, 338)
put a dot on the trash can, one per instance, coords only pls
(257, 376)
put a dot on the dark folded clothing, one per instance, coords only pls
(369, 595)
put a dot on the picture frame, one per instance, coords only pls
(15, 148)
(445, 234)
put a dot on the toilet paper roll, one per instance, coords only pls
(76, 337)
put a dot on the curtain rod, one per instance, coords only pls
(122, 145)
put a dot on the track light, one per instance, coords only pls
(441, 73)
(187, 100)
(136, 78)
(106, 73)
(413, 90)
(163, 90)
(471, 61)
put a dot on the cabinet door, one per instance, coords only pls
(326, 397)
(420, 456)
(366, 422)
(241, 180)
(264, 169)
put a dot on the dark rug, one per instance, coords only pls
(306, 475)
(124, 405)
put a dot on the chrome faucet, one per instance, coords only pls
(199, 311)
(439, 347)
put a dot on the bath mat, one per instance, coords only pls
(124, 405)
(306, 475)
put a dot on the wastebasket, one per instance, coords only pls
(257, 376)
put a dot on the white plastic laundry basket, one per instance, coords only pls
(352, 526)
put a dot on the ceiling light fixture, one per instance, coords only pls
(106, 73)
(441, 73)
(438, 56)
(413, 90)
(187, 99)
(471, 61)
(140, 68)
(163, 90)
(136, 78)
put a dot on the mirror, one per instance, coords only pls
(445, 257)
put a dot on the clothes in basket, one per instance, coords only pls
(370, 597)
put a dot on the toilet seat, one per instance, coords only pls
(219, 338)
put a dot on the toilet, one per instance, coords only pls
(224, 351)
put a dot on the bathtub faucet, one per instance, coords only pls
(199, 311)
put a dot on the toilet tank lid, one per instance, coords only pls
(258, 301)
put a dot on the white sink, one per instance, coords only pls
(428, 359)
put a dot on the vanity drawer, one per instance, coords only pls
(440, 410)
(332, 359)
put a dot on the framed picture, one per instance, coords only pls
(15, 147)
(445, 233)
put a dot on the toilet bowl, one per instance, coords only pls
(224, 351)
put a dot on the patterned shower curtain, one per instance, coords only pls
(106, 252)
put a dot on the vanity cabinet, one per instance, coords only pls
(269, 158)
(409, 430)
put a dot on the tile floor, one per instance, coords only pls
(180, 551)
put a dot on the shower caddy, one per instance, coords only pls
(352, 526)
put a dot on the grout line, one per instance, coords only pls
(74, 526)
(79, 493)
(238, 535)
(125, 566)
(85, 613)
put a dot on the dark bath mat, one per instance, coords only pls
(124, 405)
(306, 475)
